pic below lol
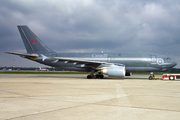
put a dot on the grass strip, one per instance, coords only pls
(40, 72)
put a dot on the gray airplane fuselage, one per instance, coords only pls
(134, 62)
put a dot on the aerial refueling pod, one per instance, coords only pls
(114, 71)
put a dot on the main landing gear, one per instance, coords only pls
(92, 76)
(98, 76)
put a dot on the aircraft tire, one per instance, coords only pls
(94, 77)
(150, 77)
(97, 76)
(101, 76)
(89, 77)
(171, 77)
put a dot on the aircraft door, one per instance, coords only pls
(153, 59)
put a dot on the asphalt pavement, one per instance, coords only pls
(67, 97)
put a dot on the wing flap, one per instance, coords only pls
(80, 61)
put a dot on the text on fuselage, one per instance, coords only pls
(99, 55)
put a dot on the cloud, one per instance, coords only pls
(94, 25)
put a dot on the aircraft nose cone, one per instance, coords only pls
(174, 64)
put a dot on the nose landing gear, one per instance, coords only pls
(151, 77)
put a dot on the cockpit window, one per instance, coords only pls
(167, 58)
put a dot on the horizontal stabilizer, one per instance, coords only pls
(31, 56)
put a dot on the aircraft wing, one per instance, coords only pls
(31, 56)
(80, 61)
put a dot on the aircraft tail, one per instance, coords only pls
(32, 43)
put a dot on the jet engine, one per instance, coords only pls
(114, 71)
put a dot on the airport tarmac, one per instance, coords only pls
(73, 97)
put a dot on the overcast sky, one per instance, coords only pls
(91, 26)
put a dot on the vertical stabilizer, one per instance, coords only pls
(32, 43)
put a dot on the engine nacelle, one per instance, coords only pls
(115, 71)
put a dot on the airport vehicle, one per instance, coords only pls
(170, 76)
(111, 64)
(152, 77)
(43, 69)
(7, 69)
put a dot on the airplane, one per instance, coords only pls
(111, 64)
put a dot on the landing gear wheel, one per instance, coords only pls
(94, 77)
(89, 76)
(150, 77)
(99, 76)
(171, 77)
